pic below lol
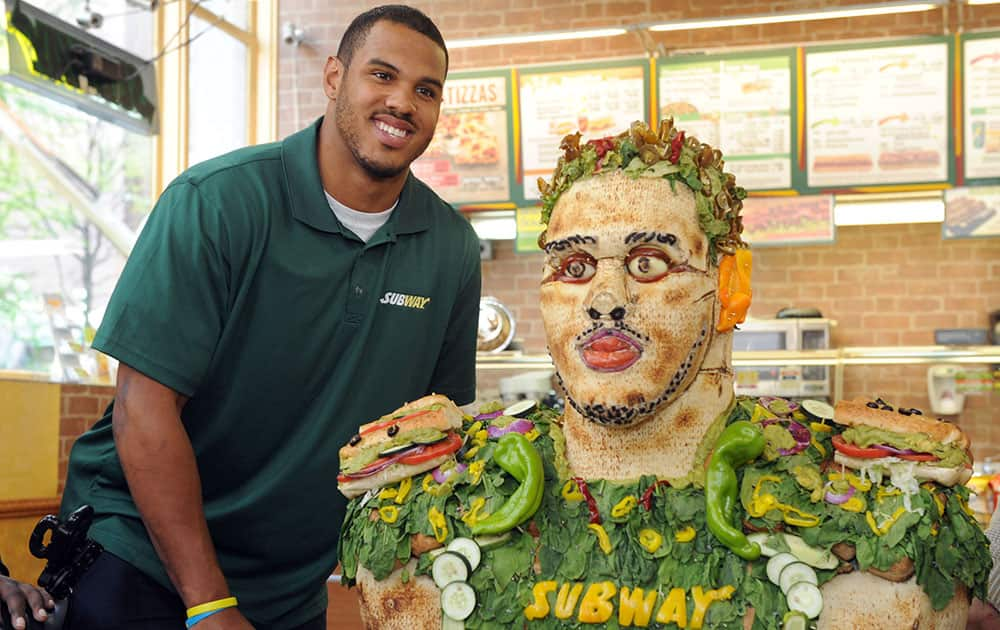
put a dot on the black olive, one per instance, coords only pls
(355, 439)
(916, 412)
(905, 412)
(886, 408)
(880, 401)
(393, 430)
(873, 405)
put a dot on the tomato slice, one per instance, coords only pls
(851, 450)
(445, 447)
(920, 457)
(392, 421)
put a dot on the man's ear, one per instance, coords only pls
(333, 73)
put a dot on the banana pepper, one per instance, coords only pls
(389, 513)
(602, 537)
(761, 504)
(685, 535)
(439, 525)
(623, 507)
(883, 528)
(472, 516)
(739, 443)
(571, 492)
(650, 540)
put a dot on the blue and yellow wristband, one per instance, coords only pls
(203, 611)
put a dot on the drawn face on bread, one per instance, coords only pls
(627, 296)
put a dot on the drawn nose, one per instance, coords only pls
(604, 305)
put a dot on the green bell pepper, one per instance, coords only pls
(739, 443)
(519, 457)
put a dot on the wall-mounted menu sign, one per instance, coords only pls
(787, 220)
(971, 212)
(981, 106)
(469, 160)
(742, 105)
(595, 99)
(877, 115)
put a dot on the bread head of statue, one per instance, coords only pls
(645, 276)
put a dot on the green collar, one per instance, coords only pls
(309, 205)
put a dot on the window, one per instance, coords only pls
(74, 190)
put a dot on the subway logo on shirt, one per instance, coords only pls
(404, 300)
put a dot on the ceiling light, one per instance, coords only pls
(888, 212)
(973, 2)
(884, 8)
(33, 248)
(494, 226)
(530, 38)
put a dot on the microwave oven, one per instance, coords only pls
(787, 381)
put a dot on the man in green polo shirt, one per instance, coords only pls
(278, 297)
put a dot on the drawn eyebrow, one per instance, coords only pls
(664, 238)
(573, 241)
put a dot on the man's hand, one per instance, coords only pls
(228, 619)
(19, 597)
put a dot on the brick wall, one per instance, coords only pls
(80, 407)
(884, 285)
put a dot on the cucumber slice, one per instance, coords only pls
(817, 410)
(449, 567)
(794, 620)
(467, 548)
(794, 573)
(458, 600)
(762, 538)
(447, 623)
(490, 542)
(395, 449)
(806, 599)
(777, 564)
(519, 408)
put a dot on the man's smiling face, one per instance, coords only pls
(389, 98)
(628, 295)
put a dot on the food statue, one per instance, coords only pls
(658, 499)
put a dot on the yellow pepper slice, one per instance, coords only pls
(819, 427)
(623, 507)
(635, 607)
(571, 491)
(475, 428)
(685, 535)
(566, 600)
(476, 471)
(472, 452)
(602, 537)
(472, 516)
(818, 447)
(387, 493)
(703, 599)
(883, 528)
(439, 525)
(761, 504)
(388, 513)
(404, 490)
(427, 483)
(650, 540)
(854, 504)
(760, 413)
(532, 435)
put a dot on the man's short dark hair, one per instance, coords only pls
(409, 17)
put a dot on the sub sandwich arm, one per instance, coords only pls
(560, 551)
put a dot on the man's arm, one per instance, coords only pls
(162, 475)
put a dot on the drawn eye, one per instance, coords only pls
(577, 268)
(647, 264)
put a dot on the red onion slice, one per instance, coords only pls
(838, 499)
(897, 451)
(441, 476)
(802, 437)
(489, 416)
(520, 425)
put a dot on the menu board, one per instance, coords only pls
(529, 228)
(786, 220)
(972, 212)
(740, 104)
(877, 115)
(981, 107)
(468, 160)
(596, 100)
